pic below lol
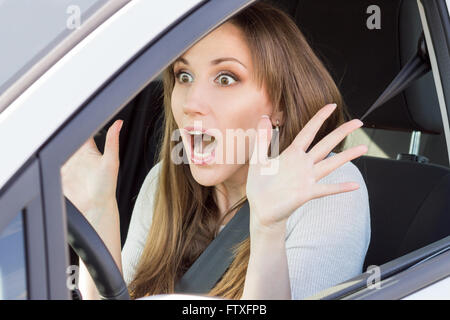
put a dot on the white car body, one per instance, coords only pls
(34, 116)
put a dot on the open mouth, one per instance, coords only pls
(202, 145)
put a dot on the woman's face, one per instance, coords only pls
(215, 93)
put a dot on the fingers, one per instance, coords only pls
(326, 166)
(321, 190)
(327, 144)
(307, 134)
(111, 151)
(263, 138)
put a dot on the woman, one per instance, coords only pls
(309, 213)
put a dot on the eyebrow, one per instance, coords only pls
(213, 62)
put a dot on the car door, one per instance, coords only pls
(77, 97)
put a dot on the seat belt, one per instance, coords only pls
(415, 68)
(209, 267)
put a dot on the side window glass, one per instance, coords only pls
(13, 278)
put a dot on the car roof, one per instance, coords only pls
(50, 101)
(57, 28)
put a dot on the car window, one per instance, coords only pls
(50, 22)
(13, 277)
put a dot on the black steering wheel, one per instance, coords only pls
(87, 244)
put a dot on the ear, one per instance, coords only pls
(277, 115)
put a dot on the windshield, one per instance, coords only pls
(30, 29)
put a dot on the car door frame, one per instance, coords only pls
(22, 195)
(90, 117)
(126, 85)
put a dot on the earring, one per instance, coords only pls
(275, 143)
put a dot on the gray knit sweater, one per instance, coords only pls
(326, 238)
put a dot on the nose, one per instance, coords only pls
(196, 102)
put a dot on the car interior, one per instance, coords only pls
(408, 194)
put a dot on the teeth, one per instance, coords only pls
(200, 151)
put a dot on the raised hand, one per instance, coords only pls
(89, 178)
(273, 197)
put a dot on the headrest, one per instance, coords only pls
(363, 59)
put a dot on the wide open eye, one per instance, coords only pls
(184, 77)
(225, 79)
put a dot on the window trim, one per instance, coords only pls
(387, 270)
(436, 31)
(24, 195)
(108, 101)
(409, 281)
(22, 188)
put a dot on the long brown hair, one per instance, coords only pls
(186, 216)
